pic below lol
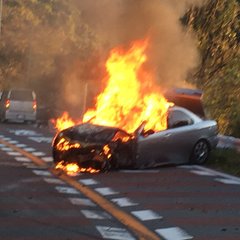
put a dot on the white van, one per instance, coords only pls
(18, 105)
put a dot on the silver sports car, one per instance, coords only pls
(187, 139)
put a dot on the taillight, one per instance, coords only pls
(34, 105)
(7, 104)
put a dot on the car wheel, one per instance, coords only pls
(200, 152)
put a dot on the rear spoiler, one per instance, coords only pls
(187, 98)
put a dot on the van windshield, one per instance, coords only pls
(21, 95)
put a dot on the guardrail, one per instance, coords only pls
(228, 142)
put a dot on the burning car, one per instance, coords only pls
(187, 139)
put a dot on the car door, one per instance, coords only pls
(172, 145)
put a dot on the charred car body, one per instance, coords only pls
(187, 139)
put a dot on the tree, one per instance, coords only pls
(36, 34)
(217, 25)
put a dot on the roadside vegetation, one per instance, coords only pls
(40, 41)
(225, 160)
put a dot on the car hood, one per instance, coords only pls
(89, 133)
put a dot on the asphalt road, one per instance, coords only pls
(170, 203)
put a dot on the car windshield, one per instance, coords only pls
(21, 95)
(95, 133)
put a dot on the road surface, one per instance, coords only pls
(169, 203)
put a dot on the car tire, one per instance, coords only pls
(200, 152)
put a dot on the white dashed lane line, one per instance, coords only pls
(115, 233)
(124, 202)
(95, 214)
(146, 215)
(22, 159)
(105, 191)
(173, 233)
(67, 190)
(82, 202)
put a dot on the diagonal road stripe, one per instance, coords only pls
(134, 225)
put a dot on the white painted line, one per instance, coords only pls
(217, 173)
(105, 191)
(227, 181)
(82, 201)
(2, 145)
(173, 233)
(7, 139)
(42, 139)
(38, 154)
(13, 142)
(29, 149)
(95, 214)
(53, 180)
(67, 190)
(42, 173)
(146, 215)
(30, 165)
(22, 159)
(202, 173)
(6, 149)
(47, 159)
(114, 233)
(1, 136)
(88, 181)
(21, 145)
(14, 153)
(124, 202)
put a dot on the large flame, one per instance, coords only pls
(131, 95)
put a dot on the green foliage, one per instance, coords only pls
(37, 40)
(225, 160)
(217, 27)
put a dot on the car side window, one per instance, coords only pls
(177, 118)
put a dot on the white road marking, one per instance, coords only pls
(41, 139)
(95, 214)
(146, 215)
(88, 181)
(14, 153)
(202, 173)
(38, 154)
(105, 191)
(123, 202)
(173, 233)
(114, 233)
(82, 201)
(2, 145)
(30, 165)
(67, 190)
(29, 149)
(24, 132)
(13, 142)
(217, 173)
(22, 159)
(6, 149)
(53, 180)
(21, 145)
(227, 181)
(7, 139)
(42, 173)
(47, 159)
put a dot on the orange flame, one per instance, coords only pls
(73, 169)
(130, 96)
(63, 122)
